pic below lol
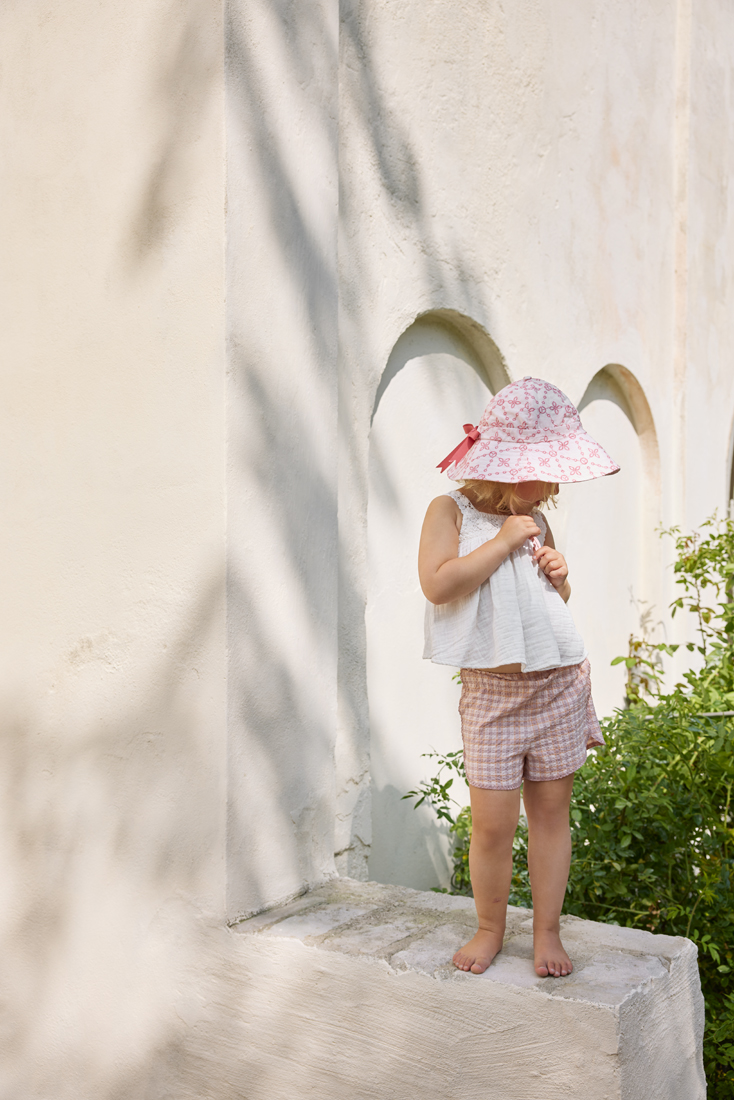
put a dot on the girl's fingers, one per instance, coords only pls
(552, 560)
(552, 563)
(553, 566)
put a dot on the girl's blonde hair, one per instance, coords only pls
(501, 498)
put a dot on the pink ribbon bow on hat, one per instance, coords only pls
(472, 435)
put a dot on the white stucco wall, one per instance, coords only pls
(709, 390)
(112, 658)
(282, 448)
(217, 226)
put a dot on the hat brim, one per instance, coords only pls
(572, 459)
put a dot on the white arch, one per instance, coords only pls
(617, 383)
(423, 336)
(637, 409)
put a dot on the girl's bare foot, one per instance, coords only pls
(478, 953)
(551, 961)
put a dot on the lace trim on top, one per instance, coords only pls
(476, 524)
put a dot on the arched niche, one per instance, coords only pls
(446, 327)
(440, 374)
(619, 384)
(608, 531)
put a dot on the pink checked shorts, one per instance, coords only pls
(526, 725)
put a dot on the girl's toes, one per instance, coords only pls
(550, 964)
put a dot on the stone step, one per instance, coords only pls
(353, 995)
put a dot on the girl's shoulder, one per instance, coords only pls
(447, 504)
(444, 509)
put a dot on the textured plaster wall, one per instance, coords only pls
(709, 379)
(112, 658)
(282, 447)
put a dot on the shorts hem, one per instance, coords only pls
(487, 787)
(553, 778)
(567, 768)
(543, 779)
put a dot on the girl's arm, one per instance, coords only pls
(553, 564)
(444, 576)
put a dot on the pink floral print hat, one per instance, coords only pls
(529, 431)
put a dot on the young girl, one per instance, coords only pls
(497, 589)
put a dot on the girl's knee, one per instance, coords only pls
(494, 834)
(548, 818)
(549, 801)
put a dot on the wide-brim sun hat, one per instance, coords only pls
(529, 431)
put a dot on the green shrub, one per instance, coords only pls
(652, 814)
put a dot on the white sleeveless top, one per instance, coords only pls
(515, 617)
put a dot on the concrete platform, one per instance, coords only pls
(354, 996)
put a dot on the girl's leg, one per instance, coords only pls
(549, 858)
(494, 820)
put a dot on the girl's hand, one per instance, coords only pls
(553, 564)
(516, 530)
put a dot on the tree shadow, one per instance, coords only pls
(185, 79)
(108, 819)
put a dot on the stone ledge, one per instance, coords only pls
(627, 1022)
